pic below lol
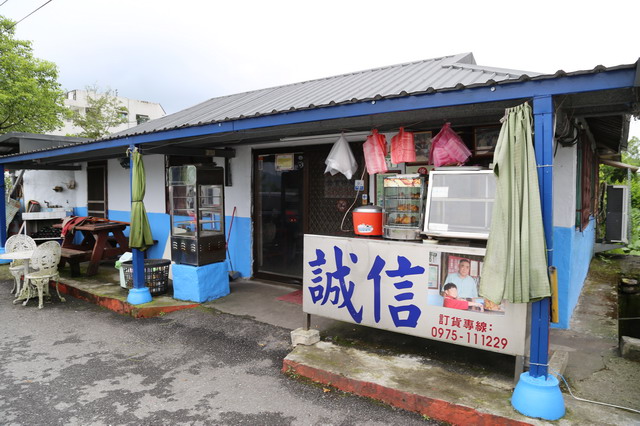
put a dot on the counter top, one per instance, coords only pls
(45, 215)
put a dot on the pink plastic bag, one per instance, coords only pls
(375, 151)
(447, 148)
(403, 148)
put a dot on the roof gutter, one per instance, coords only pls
(620, 165)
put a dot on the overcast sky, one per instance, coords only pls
(180, 53)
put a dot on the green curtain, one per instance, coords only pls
(515, 265)
(140, 232)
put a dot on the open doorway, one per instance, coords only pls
(97, 189)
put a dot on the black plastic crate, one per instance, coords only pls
(156, 274)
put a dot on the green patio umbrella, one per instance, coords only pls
(140, 233)
(515, 264)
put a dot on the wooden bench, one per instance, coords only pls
(74, 257)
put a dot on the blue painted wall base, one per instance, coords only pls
(200, 283)
(3, 260)
(574, 251)
(138, 296)
(538, 397)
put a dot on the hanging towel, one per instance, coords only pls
(515, 264)
(403, 148)
(341, 159)
(375, 151)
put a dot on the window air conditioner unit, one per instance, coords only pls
(617, 221)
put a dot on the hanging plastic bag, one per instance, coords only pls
(341, 159)
(375, 151)
(403, 148)
(447, 148)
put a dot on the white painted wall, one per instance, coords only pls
(81, 186)
(239, 194)
(155, 200)
(564, 186)
(119, 187)
(39, 184)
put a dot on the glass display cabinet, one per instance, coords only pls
(197, 214)
(460, 203)
(403, 206)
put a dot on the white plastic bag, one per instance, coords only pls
(125, 256)
(341, 159)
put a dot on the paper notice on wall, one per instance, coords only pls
(440, 192)
(439, 227)
(284, 162)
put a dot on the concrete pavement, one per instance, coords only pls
(75, 363)
(463, 385)
(450, 383)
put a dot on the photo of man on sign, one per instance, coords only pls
(459, 287)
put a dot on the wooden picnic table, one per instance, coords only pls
(100, 240)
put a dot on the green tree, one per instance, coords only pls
(103, 112)
(31, 99)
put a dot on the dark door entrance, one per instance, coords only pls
(279, 203)
(97, 189)
(293, 196)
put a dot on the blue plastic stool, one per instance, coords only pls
(538, 397)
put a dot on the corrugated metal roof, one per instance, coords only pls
(454, 72)
(448, 72)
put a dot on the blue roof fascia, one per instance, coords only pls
(612, 79)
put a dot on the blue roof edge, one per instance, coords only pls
(613, 78)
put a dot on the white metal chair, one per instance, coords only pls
(19, 242)
(44, 263)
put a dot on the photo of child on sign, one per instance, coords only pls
(459, 287)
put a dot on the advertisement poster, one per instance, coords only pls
(411, 288)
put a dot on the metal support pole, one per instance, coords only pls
(307, 322)
(537, 393)
(543, 137)
(3, 212)
(518, 368)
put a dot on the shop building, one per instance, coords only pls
(272, 144)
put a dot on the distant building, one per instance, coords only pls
(137, 112)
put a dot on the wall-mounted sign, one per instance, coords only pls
(417, 289)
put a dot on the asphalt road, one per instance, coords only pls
(77, 364)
